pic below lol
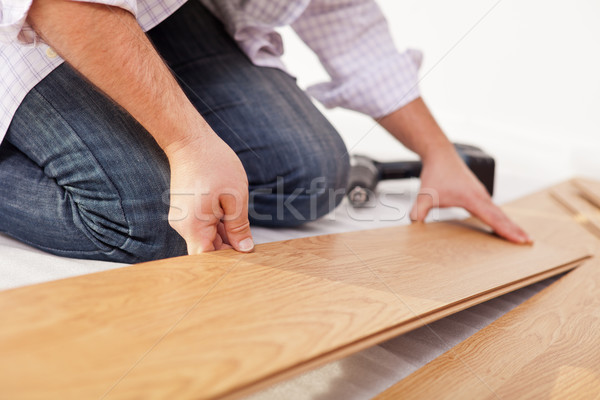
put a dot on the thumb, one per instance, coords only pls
(426, 200)
(235, 220)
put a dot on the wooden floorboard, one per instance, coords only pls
(583, 211)
(223, 324)
(546, 348)
(589, 189)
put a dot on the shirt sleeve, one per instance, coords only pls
(352, 40)
(15, 29)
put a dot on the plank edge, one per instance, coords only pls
(394, 331)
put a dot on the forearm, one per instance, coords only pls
(416, 128)
(107, 46)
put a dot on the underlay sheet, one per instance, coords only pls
(363, 374)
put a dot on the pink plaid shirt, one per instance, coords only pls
(350, 37)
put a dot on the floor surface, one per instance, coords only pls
(368, 372)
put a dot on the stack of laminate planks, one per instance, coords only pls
(223, 324)
(546, 348)
(582, 199)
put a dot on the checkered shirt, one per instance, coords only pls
(350, 37)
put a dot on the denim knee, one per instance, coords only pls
(311, 188)
(128, 229)
(325, 182)
(152, 238)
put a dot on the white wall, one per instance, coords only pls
(519, 78)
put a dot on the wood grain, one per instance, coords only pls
(582, 210)
(546, 348)
(224, 324)
(589, 189)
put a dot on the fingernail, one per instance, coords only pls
(526, 239)
(246, 244)
(529, 239)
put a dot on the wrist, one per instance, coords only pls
(436, 150)
(183, 130)
(416, 128)
(195, 140)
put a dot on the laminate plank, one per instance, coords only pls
(589, 189)
(546, 348)
(224, 324)
(582, 210)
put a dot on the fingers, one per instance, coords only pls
(200, 239)
(197, 225)
(478, 204)
(219, 243)
(426, 200)
(218, 223)
(222, 232)
(493, 216)
(235, 221)
(447, 182)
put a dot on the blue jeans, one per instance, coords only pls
(81, 178)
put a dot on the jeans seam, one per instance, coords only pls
(55, 250)
(126, 241)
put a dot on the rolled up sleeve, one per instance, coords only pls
(13, 19)
(353, 42)
(13, 27)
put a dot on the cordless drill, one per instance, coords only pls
(366, 173)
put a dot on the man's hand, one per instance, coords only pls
(445, 179)
(208, 183)
(209, 195)
(447, 182)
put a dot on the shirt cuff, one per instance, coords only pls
(15, 29)
(378, 90)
